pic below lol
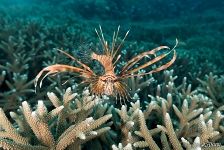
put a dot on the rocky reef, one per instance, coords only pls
(179, 108)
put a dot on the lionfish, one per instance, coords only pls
(110, 83)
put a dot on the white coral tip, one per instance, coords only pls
(82, 136)
(33, 114)
(93, 132)
(197, 140)
(24, 103)
(90, 119)
(40, 102)
(12, 114)
(114, 147)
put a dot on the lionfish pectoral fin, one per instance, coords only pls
(57, 68)
(129, 73)
(137, 58)
(50, 71)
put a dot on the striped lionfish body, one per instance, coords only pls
(110, 83)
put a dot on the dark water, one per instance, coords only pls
(198, 25)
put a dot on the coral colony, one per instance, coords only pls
(106, 90)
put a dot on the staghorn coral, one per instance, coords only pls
(195, 121)
(205, 132)
(61, 128)
(16, 77)
(213, 86)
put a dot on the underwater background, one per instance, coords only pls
(181, 107)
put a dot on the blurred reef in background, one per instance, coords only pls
(179, 108)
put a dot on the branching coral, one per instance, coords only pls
(15, 70)
(187, 120)
(213, 86)
(19, 88)
(145, 133)
(61, 128)
(127, 122)
(186, 115)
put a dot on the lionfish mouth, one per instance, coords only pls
(109, 87)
